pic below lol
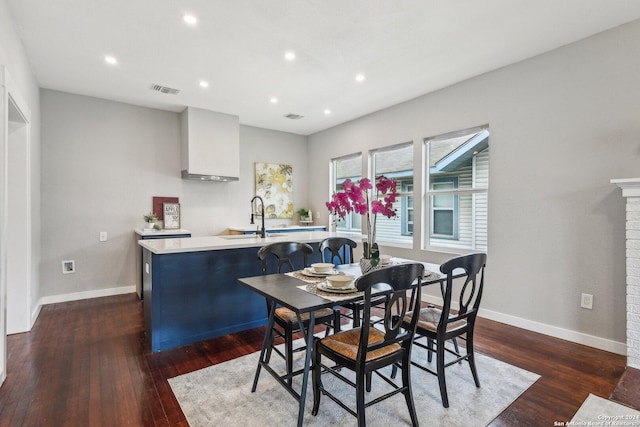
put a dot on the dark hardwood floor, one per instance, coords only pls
(85, 363)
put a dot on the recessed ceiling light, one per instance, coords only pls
(327, 111)
(111, 60)
(289, 55)
(360, 77)
(273, 100)
(189, 19)
(204, 83)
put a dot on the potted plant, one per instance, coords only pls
(357, 198)
(304, 214)
(150, 219)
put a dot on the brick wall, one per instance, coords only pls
(633, 282)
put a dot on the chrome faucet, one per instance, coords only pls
(263, 232)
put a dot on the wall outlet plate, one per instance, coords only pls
(103, 236)
(68, 266)
(586, 301)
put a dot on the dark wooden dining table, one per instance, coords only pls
(287, 291)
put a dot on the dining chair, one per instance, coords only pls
(337, 247)
(367, 349)
(281, 255)
(441, 325)
(340, 249)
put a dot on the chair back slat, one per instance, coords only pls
(403, 282)
(282, 253)
(471, 267)
(337, 247)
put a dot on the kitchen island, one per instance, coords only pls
(190, 285)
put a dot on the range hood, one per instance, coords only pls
(210, 145)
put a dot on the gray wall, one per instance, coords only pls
(103, 161)
(562, 125)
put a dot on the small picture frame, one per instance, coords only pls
(171, 213)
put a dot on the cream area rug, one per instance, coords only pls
(220, 395)
(596, 411)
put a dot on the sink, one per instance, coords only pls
(250, 236)
(238, 236)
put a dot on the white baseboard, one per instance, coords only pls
(553, 331)
(86, 295)
(35, 313)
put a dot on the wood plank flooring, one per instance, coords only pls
(85, 363)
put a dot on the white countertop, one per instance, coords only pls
(213, 243)
(278, 227)
(141, 232)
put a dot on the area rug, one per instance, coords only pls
(220, 395)
(596, 411)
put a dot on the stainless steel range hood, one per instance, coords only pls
(210, 145)
(199, 177)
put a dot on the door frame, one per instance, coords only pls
(9, 93)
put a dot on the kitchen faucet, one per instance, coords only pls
(263, 232)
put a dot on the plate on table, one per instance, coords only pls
(324, 286)
(310, 272)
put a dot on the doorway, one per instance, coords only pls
(16, 287)
(18, 222)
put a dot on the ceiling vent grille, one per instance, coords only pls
(294, 116)
(164, 89)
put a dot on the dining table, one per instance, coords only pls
(302, 292)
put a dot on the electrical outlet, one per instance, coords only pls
(103, 236)
(68, 266)
(586, 301)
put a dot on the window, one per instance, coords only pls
(407, 210)
(343, 168)
(444, 209)
(396, 163)
(457, 185)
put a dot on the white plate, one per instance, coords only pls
(324, 286)
(309, 272)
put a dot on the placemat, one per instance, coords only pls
(312, 288)
(307, 279)
(312, 282)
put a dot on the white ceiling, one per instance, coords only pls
(405, 48)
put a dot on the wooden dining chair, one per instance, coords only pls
(339, 250)
(282, 256)
(367, 349)
(441, 325)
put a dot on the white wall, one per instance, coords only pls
(562, 125)
(103, 161)
(14, 59)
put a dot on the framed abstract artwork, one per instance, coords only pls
(274, 185)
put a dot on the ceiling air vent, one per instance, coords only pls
(164, 89)
(294, 116)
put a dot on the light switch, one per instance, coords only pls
(103, 236)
